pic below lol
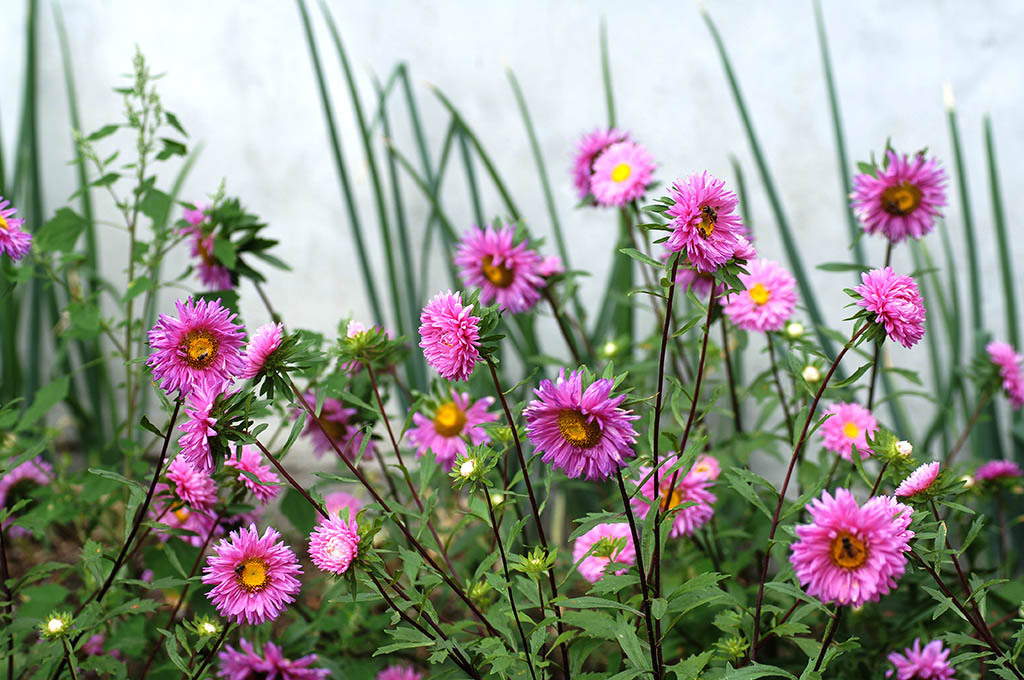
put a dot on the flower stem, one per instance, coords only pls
(209, 655)
(562, 325)
(833, 626)
(778, 386)
(878, 344)
(291, 480)
(982, 403)
(67, 657)
(732, 383)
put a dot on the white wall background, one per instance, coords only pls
(239, 76)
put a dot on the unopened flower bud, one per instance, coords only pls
(55, 625)
(968, 481)
(904, 448)
(811, 373)
(609, 349)
(467, 468)
(795, 330)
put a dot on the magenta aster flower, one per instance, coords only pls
(212, 274)
(13, 241)
(336, 502)
(850, 554)
(621, 174)
(262, 344)
(584, 433)
(1009, 362)
(18, 482)
(399, 673)
(450, 336)
(248, 459)
(550, 265)
(201, 345)
(336, 420)
(194, 216)
(608, 546)
(903, 199)
(248, 665)
(998, 469)
(333, 544)
(768, 300)
(173, 510)
(192, 486)
(704, 222)
(896, 302)
(454, 421)
(849, 426)
(253, 576)
(490, 260)
(690, 488)
(930, 663)
(200, 425)
(590, 147)
(918, 481)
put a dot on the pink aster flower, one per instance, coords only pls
(248, 459)
(849, 426)
(918, 481)
(202, 345)
(768, 300)
(450, 336)
(337, 421)
(14, 242)
(336, 502)
(690, 490)
(930, 663)
(192, 486)
(446, 432)
(212, 274)
(262, 344)
(253, 576)
(998, 469)
(584, 433)
(333, 544)
(399, 673)
(195, 217)
(1009, 362)
(621, 174)
(94, 647)
(200, 425)
(503, 270)
(590, 147)
(704, 222)
(850, 554)
(896, 302)
(903, 199)
(18, 482)
(174, 511)
(247, 664)
(550, 266)
(608, 545)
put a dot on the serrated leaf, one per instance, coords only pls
(60, 233)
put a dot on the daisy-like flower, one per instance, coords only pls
(489, 259)
(14, 242)
(399, 673)
(929, 663)
(333, 544)
(203, 344)
(903, 199)
(253, 576)
(849, 426)
(551, 265)
(896, 302)
(192, 486)
(589, 148)
(621, 174)
(18, 482)
(195, 217)
(247, 664)
(445, 434)
(918, 481)
(690, 489)
(336, 502)
(1009, 362)
(171, 509)
(608, 546)
(998, 469)
(584, 433)
(850, 554)
(704, 222)
(450, 336)
(248, 459)
(212, 274)
(768, 300)
(336, 420)
(200, 425)
(262, 344)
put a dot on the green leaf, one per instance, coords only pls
(46, 398)
(225, 251)
(156, 205)
(690, 668)
(137, 287)
(61, 232)
(640, 257)
(298, 511)
(104, 131)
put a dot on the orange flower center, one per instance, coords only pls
(621, 172)
(499, 275)
(252, 574)
(577, 430)
(759, 294)
(182, 514)
(676, 499)
(848, 551)
(851, 430)
(449, 420)
(200, 348)
(901, 199)
(708, 220)
(3, 223)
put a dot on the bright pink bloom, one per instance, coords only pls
(918, 481)
(336, 420)
(192, 486)
(248, 665)
(621, 174)
(998, 469)
(1009, 362)
(445, 434)
(896, 302)
(850, 554)
(689, 488)
(399, 673)
(551, 265)
(503, 270)
(849, 426)
(194, 217)
(705, 222)
(450, 336)
(212, 274)
(94, 646)
(590, 147)
(18, 482)
(336, 502)
(262, 344)
(248, 459)
(174, 510)
(768, 300)
(930, 663)
(584, 433)
(606, 540)
(200, 426)
(201, 345)
(253, 576)
(13, 241)
(903, 200)
(333, 544)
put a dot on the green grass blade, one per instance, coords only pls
(471, 185)
(606, 74)
(931, 335)
(741, 191)
(446, 241)
(999, 218)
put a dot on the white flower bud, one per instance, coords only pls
(811, 374)
(795, 330)
(904, 448)
(467, 468)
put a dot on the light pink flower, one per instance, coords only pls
(621, 174)
(399, 673)
(200, 425)
(768, 300)
(262, 344)
(998, 469)
(248, 459)
(453, 422)
(903, 199)
(704, 222)
(551, 265)
(849, 426)
(333, 544)
(690, 490)
(489, 259)
(248, 665)
(590, 147)
(192, 486)
(450, 336)
(606, 539)
(918, 481)
(1009, 361)
(930, 663)
(896, 302)
(336, 502)
(17, 482)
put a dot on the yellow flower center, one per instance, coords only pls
(848, 551)
(499, 275)
(676, 498)
(759, 294)
(449, 419)
(182, 514)
(901, 199)
(3, 223)
(252, 574)
(200, 348)
(708, 220)
(577, 430)
(621, 172)
(851, 430)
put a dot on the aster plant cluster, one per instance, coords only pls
(702, 477)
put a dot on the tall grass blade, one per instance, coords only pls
(471, 185)
(606, 74)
